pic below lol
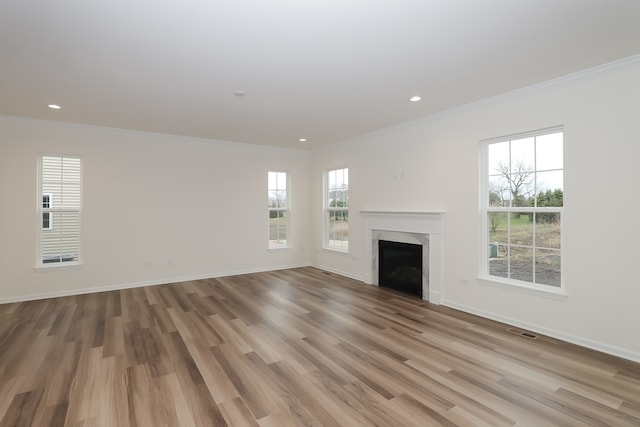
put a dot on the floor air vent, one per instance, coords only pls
(525, 334)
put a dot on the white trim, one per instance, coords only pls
(284, 248)
(154, 282)
(335, 249)
(525, 287)
(145, 133)
(578, 75)
(554, 333)
(522, 135)
(341, 273)
(558, 81)
(58, 266)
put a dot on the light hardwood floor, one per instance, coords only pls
(292, 348)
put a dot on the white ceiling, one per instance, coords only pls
(325, 70)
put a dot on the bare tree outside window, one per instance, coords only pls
(278, 209)
(337, 209)
(523, 206)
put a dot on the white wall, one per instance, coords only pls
(161, 208)
(433, 164)
(156, 208)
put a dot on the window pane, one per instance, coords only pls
(272, 199)
(521, 228)
(498, 223)
(499, 192)
(51, 240)
(522, 186)
(51, 169)
(549, 189)
(548, 230)
(498, 158)
(521, 264)
(71, 196)
(70, 181)
(277, 190)
(282, 225)
(338, 188)
(549, 151)
(498, 239)
(548, 267)
(498, 265)
(280, 198)
(61, 243)
(277, 229)
(339, 229)
(522, 155)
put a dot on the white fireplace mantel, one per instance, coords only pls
(424, 223)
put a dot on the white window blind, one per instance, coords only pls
(59, 209)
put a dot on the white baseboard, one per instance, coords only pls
(434, 298)
(154, 282)
(342, 273)
(581, 341)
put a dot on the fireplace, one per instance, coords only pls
(418, 228)
(400, 267)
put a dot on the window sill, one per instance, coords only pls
(58, 266)
(532, 289)
(283, 248)
(336, 250)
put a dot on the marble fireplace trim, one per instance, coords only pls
(409, 227)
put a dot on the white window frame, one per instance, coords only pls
(485, 277)
(47, 213)
(328, 243)
(271, 244)
(63, 263)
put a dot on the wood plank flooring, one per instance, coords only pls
(297, 347)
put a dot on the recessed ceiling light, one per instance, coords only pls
(239, 93)
(54, 106)
(303, 140)
(415, 98)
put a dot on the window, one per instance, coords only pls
(337, 209)
(278, 206)
(47, 223)
(59, 205)
(522, 209)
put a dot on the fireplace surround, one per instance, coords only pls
(423, 228)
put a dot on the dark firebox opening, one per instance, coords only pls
(400, 267)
